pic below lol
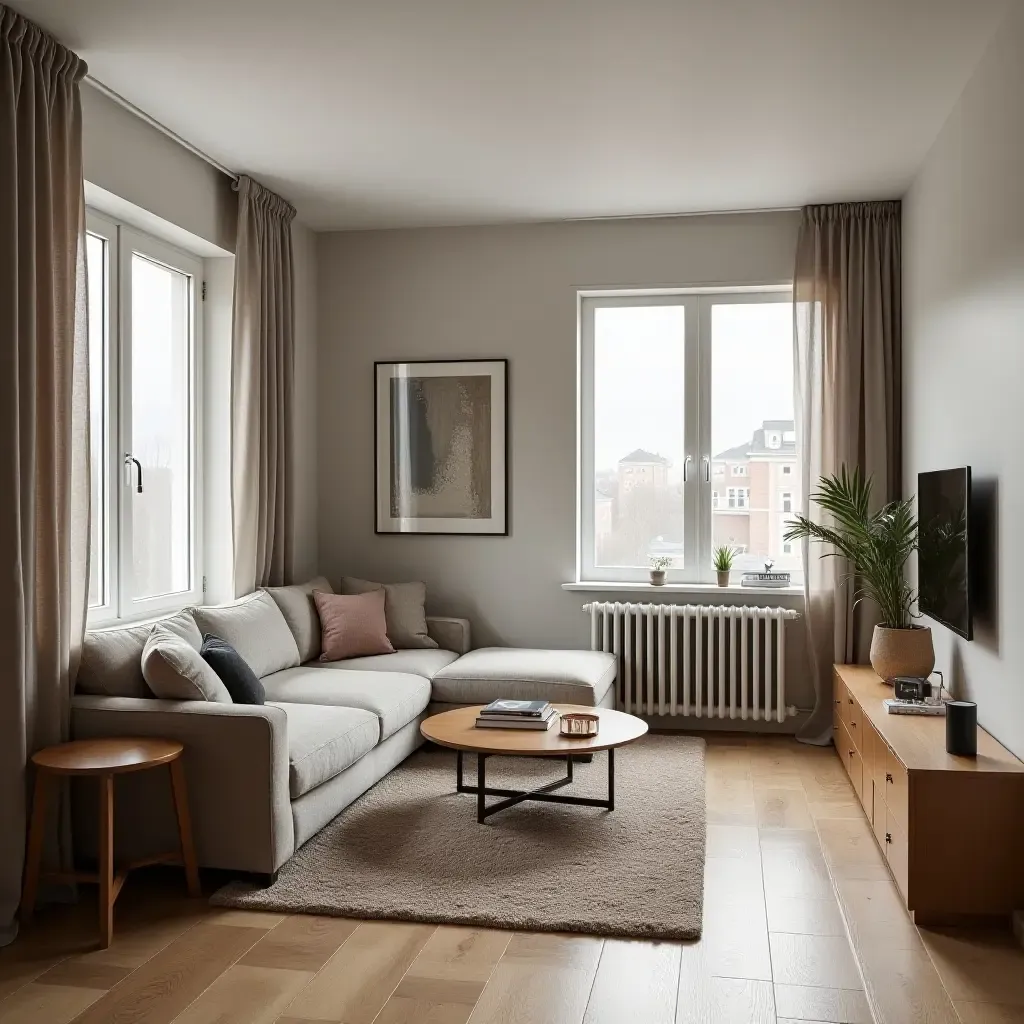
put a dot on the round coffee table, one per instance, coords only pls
(457, 730)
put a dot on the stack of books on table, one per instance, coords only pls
(516, 714)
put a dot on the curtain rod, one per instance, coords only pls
(152, 121)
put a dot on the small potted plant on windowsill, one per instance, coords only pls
(658, 567)
(723, 564)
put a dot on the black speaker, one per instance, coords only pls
(962, 728)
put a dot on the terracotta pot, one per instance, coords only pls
(902, 652)
(723, 577)
(658, 577)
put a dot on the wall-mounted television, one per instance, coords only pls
(944, 558)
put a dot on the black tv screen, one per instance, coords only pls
(943, 560)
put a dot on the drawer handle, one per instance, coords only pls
(853, 725)
(839, 702)
(851, 700)
(852, 752)
(888, 777)
(888, 837)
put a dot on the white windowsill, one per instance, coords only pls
(733, 590)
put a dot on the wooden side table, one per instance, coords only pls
(105, 758)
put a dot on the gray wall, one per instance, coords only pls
(510, 292)
(964, 357)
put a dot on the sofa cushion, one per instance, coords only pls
(352, 625)
(324, 741)
(421, 662)
(395, 698)
(566, 677)
(299, 611)
(404, 608)
(111, 663)
(255, 627)
(175, 670)
(242, 683)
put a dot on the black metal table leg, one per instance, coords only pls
(458, 773)
(611, 778)
(481, 788)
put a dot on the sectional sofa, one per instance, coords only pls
(263, 779)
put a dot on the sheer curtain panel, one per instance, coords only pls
(848, 337)
(44, 422)
(262, 366)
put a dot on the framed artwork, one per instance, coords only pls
(441, 440)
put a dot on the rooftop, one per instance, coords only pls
(642, 457)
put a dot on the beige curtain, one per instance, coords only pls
(262, 365)
(44, 422)
(848, 316)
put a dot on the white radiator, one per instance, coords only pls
(710, 662)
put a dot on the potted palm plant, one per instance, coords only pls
(723, 557)
(877, 545)
(658, 566)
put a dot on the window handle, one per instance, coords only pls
(686, 467)
(128, 457)
(706, 463)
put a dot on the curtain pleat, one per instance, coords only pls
(44, 419)
(262, 366)
(847, 338)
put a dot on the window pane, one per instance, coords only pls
(161, 435)
(752, 432)
(96, 295)
(639, 383)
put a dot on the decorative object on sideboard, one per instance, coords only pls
(441, 441)
(579, 724)
(877, 544)
(962, 728)
(723, 564)
(658, 566)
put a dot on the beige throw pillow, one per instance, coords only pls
(352, 626)
(175, 670)
(403, 608)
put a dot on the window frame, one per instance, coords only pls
(123, 242)
(698, 482)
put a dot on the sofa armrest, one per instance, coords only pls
(236, 764)
(449, 633)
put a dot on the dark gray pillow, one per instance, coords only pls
(234, 672)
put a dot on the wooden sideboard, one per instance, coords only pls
(950, 828)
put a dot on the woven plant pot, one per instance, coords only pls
(902, 652)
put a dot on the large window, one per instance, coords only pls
(687, 433)
(144, 400)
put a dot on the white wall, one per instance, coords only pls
(964, 357)
(497, 291)
(133, 160)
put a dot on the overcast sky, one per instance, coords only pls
(639, 376)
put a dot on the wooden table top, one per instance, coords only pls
(456, 729)
(102, 756)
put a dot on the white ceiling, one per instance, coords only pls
(381, 113)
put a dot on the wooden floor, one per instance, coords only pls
(801, 923)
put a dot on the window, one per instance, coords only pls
(787, 501)
(144, 402)
(679, 391)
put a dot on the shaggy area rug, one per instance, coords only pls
(410, 849)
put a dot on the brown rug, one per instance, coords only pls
(410, 849)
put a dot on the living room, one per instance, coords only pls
(369, 367)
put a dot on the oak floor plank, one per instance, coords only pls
(302, 942)
(834, 1006)
(823, 960)
(84, 974)
(903, 985)
(246, 995)
(168, 982)
(46, 1004)
(460, 954)
(522, 992)
(360, 977)
(635, 981)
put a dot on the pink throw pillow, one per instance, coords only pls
(352, 625)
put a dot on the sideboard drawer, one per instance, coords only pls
(897, 852)
(897, 790)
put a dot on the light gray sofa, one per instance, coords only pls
(263, 779)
